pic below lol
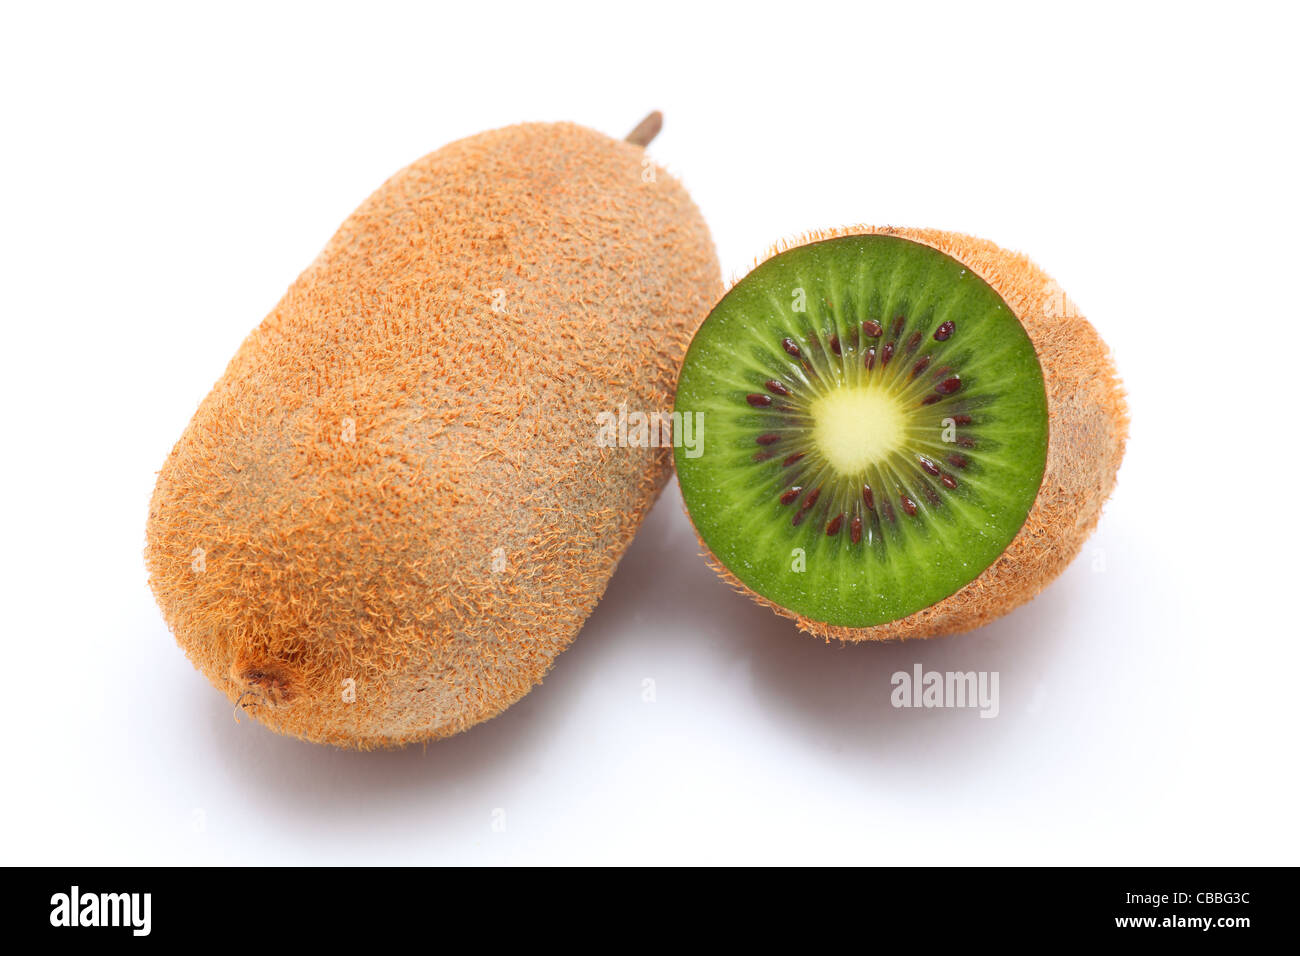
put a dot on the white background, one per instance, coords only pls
(167, 174)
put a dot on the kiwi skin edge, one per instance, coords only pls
(1087, 431)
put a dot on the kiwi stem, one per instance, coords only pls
(647, 129)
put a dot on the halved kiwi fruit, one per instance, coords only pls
(896, 433)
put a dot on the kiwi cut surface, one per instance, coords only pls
(899, 433)
(873, 403)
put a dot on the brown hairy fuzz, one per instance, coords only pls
(392, 511)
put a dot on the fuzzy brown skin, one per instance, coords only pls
(1087, 429)
(395, 491)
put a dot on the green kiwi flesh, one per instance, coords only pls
(869, 429)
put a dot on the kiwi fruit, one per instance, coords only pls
(898, 433)
(394, 509)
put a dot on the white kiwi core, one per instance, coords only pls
(857, 426)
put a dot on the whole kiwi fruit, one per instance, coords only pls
(392, 511)
(905, 432)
